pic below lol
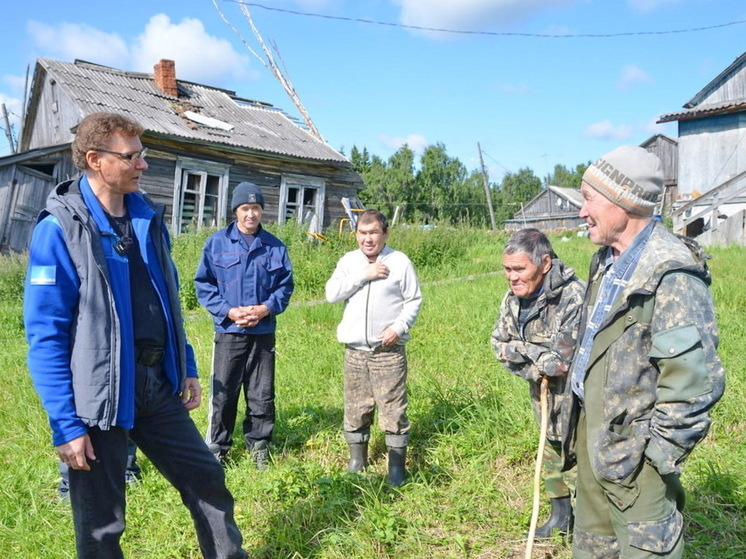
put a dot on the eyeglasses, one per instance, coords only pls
(131, 157)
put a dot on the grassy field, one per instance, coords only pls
(473, 435)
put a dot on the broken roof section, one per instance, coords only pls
(181, 109)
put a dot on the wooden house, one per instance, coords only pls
(202, 141)
(557, 207)
(712, 159)
(667, 150)
(554, 207)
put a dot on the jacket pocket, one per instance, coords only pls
(656, 536)
(227, 273)
(620, 451)
(226, 260)
(679, 356)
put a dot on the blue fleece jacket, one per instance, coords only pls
(78, 312)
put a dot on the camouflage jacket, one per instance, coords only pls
(546, 343)
(653, 372)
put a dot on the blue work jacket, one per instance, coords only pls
(233, 274)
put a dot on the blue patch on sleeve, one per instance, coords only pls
(43, 275)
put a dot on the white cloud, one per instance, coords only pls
(646, 6)
(199, 56)
(416, 142)
(68, 41)
(606, 130)
(14, 106)
(633, 75)
(15, 83)
(471, 14)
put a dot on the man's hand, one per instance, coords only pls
(376, 270)
(77, 452)
(191, 393)
(389, 337)
(248, 316)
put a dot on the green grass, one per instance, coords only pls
(473, 435)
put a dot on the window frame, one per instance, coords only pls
(186, 167)
(303, 183)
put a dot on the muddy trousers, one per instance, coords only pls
(376, 379)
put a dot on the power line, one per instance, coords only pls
(493, 33)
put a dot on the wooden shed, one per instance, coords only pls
(555, 207)
(712, 157)
(202, 141)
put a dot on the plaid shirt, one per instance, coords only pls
(616, 274)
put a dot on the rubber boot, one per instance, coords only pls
(358, 457)
(260, 454)
(397, 460)
(560, 519)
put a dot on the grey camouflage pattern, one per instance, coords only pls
(655, 379)
(547, 343)
(652, 378)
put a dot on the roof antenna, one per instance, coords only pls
(271, 65)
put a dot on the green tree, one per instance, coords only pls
(516, 189)
(388, 184)
(360, 159)
(562, 176)
(439, 177)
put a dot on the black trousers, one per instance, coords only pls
(166, 434)
(241, 362)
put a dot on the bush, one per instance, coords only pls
(433, 252)
(12, 277)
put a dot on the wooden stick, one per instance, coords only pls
(537, 469)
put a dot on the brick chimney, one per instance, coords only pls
(165, 77)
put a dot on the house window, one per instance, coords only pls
(302, 201)
(199, 196)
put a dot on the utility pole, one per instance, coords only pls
(486, 181)
(8, 131)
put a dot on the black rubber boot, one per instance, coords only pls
(260, 454)
(358, 457)
(397, 460)
(560, 519)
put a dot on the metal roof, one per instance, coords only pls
(694, 108)
(723, 108)
(572, 195)
(255, 125)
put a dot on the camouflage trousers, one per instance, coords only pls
(651, 527)
(556, 482)
(376, 379)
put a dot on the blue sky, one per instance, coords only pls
(530, 100)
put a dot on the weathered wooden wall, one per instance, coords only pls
(264, 170)
(55, 115)
(23, 192)
(554, 223)
(711, 151)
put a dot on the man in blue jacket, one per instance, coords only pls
(107, 349)
(244, 280)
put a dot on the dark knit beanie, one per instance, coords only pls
(247, 193)
(631, 177)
